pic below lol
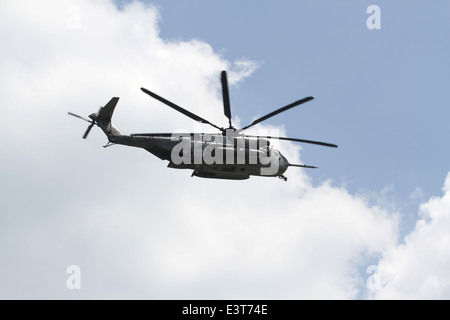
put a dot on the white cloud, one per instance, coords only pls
(242, 69)
(417, 195)
(136, 228)
(418, 268)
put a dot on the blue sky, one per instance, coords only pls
(380, 94)
(137, 229)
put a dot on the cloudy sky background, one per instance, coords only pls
(371, 223)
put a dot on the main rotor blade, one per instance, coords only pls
(226, 97)
(179, 109)
(289, 106)
(326, 144)
(88, 130)
(80, 117)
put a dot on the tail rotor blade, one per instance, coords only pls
(79, 117)
(88, 130)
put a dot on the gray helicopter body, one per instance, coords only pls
(226, 155)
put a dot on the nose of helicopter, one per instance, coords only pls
(284, 164)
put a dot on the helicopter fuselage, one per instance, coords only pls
(229, 154)
(211, 155)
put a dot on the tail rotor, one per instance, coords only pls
(92, 122)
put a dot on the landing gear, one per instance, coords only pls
(109, 144)
(282, 177)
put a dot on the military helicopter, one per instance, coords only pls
(229, 154)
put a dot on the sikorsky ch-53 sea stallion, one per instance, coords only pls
(228, 154)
